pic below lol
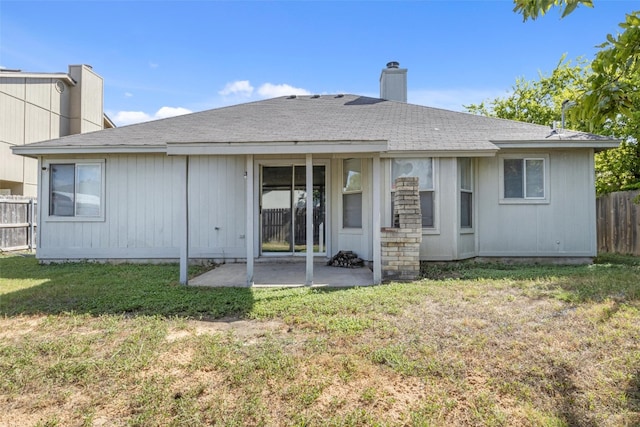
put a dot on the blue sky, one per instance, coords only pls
(161, 58)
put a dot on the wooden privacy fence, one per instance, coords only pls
(619, 223)
(276, 224)
(18, 223)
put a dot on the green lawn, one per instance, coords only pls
(90, 344)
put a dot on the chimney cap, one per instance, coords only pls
(393, 64)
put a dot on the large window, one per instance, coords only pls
(524, 178)
(465, 166)
(76, 190)
(423, 169)
(352, 193)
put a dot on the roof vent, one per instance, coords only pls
(315, 96)
(292, 96)
(393, 64)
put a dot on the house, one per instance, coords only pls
(231, 183)
(41, 106)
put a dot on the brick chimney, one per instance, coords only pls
(393, 82)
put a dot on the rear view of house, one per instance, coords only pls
(311, 175)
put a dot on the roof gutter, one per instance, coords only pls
(34, 152)
(597, 145)
(482, 152)
(275, 147)
(21, 75)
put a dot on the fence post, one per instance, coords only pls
(30, 219)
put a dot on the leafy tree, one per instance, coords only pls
(532, 9)
(540, 101)
(606, 95)
(613, 87)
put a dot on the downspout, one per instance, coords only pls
(566, 104)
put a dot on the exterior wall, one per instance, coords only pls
(440, 242)
(565, 226)
(141, 207)
(143, 199)
(357, 240)
(445, 241)
(35, 109)
(467, 237)
(217, 207)
(86, 100)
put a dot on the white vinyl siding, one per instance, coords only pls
(141, 193)
(563, 224)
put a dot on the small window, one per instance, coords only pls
(466, 192)
(524, 178)
(76, 190)
(352, 193)
(423, 169)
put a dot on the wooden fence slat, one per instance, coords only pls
(18, 221)
(276, 224)
(618, 223)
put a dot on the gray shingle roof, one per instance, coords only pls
(406, 127)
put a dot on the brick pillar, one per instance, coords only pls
(401, 243)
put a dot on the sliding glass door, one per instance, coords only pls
(283, 210)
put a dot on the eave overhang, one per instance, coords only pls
(25, 150)
(597, 145)
(23, 75)
(485, 152)
(274, 147)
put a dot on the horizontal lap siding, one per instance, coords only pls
(142, 197)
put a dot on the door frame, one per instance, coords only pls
(295, 161)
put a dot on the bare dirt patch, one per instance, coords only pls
(245, 330)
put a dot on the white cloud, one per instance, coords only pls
(269, 90)
(453, 99)
(239, 87)
(123, 118)
(153, 65)
(165, 112)
(128, 94)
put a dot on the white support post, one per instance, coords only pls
(249, 224)
(184, 225)
(39, 208)
(377, 249)
(309, 211)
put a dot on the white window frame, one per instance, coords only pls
(46, 190)
(545, 174)
(467, 229)
(346, 192)
(434, 165)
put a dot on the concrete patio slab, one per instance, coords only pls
(283, 274)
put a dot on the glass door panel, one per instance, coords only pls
(275, 206)
(284, 209)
